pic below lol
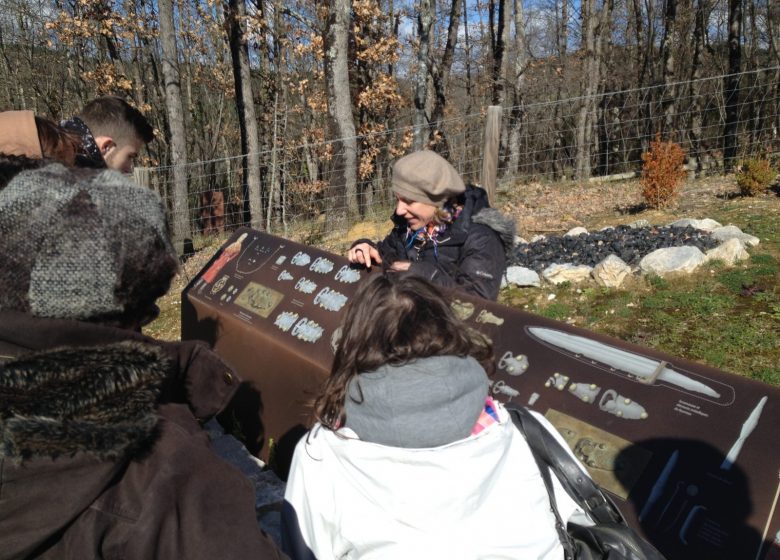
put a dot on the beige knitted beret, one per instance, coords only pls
(19, 135)
(426, 177)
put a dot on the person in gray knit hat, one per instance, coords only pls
(83, 245)
(409, 456)
(102, 448)
(443, 230)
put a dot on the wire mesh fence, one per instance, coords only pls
(306, 190)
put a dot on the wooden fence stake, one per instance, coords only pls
(490, 153)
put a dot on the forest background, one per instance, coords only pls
(271, 112)
(287, 116)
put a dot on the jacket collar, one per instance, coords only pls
(198, 374)
(38, 333)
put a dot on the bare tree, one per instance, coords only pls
(173, 104)
(340, 103)
(235, 22)
(426, 15)
(441, 76)
(731, 85)
(517, 112)
(669, 46)
(498, 19)
(695, 114)
(595, 26)
(561, 42)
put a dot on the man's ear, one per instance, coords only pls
(104, 144)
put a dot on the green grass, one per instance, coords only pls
(726, 317)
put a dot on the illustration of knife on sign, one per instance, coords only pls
(643, 369)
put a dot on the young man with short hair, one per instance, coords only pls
(113, 133)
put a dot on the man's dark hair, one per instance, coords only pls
(115, 117)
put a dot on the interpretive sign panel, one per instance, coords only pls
(689, 452)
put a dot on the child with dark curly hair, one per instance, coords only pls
(409, 457)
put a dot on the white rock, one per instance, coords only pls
(559, 273)
(611, 272)
(706, 224)
(536, 238)
(520, 241)
(730, 252)
(733, 232)
(639, 224)
(550, 297)
(521, 276)
(574, 232)
(672, 259)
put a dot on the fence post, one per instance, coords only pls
(490, 152)
(142, 177)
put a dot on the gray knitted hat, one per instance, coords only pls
(426, 177)
(425, 403)
(82, 244)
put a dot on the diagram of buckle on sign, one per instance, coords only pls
(611, 402)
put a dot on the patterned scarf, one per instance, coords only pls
(90, 155)
(433, 231)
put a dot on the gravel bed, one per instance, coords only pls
(628, 243)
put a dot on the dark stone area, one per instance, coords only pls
(628, 243)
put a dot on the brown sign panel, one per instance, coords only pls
(689, 452)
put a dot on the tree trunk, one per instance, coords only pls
(498, 37)
(170, 70)
(344, 182)
(235, 21)
(441, 77)
(590, 81)
(425, 18)
(731, 85)
(466, 167)
(669, 45)
(518, 109)
(559, 142)
(696, 115)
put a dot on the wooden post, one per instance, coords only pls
(490, 153)
(142, 177)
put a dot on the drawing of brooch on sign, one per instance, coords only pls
(305, 286)
(301, 259)
(285, 320)
(621, 406)
(585, 392)
(347, 275)
(219, 284)
(499, 387)
(321, 265)
(463, 309)
(281, 260)
(284, 275)
(514, 365)
(307, 330)
(557, 381)
(330, 299)
(486, 316)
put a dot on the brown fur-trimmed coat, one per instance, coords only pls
(102, 453)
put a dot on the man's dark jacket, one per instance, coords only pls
(102, 454)
(470, 255)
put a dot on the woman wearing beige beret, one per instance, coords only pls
(443, 230)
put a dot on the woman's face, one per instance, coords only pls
(416, 214)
